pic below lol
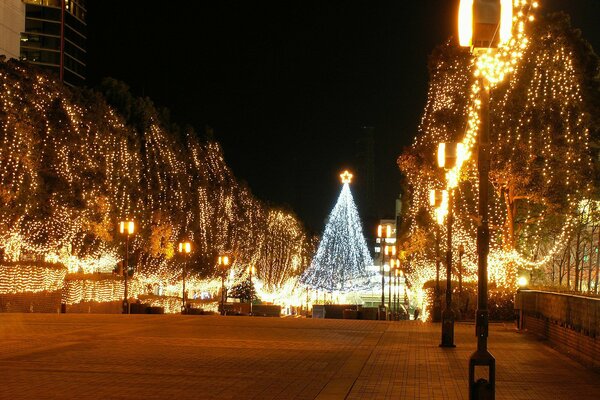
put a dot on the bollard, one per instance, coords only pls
(482, 389)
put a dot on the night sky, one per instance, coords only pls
(287, 85)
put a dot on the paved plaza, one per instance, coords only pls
(82, 356)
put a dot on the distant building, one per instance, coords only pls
(55, 38)
(48, 33)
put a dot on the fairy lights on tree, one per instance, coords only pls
(342, 258)
(540, 146)
(71, 166)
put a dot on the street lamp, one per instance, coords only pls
(436, 200)
(185, 248)
(223, 262)
(126, 228)
(383, 232)
(252, 270)
(461, 253)
(478, 21)
(395, 268)
(390, 250)
(449, 155)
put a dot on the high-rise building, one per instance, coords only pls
(48, 33)
(55, 38)
(12, 23)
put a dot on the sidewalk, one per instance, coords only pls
(203, 357)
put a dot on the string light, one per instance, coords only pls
(70, 167)
(540, 150)
(340, 264)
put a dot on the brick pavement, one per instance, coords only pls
(209, 357)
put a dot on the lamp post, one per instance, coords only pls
(395, 267)
(126, 228)
(436, 198)
(461, 253)
(449, 155)
(383, 232)
(390, 250)
(252, 270)
(479, 22)
(223, 265)
(185, 248)
(397, 293)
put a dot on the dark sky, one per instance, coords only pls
(287, 85)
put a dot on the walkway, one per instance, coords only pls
(201, 357)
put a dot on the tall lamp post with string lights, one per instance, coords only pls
(383, 232)
(482, 26)
(449, 155)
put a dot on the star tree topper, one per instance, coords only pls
(346, 177)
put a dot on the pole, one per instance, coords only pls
(223, 293)
(448, 314)
(251, 291)
(126, 271)
(483, 389)
(390, 290)
(382, 279)
(395, 293)
(183, 288)
(436, 300)
(461, 251)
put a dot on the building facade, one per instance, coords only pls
(12, 24)
(55, 38)
(48, 33)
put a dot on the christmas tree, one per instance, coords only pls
(341, 261)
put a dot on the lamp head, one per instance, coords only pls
(127, 227)
(522, 282)
(185, 247)
(484, 23)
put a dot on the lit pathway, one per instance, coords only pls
(198, 357)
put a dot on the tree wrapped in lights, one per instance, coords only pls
(540, 138)
(342, 258)
(72, 163)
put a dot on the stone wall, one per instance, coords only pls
(570, 322)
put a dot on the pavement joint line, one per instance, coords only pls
(340, 386)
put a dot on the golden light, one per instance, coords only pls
(185, 247)
(390, 250)
(441, 155)
(522, 282)
(346, 177)
(506, 21)
(225, 260)
(436, 197)
(384, 231)
(479, 22)
(465, 23)
(127, 227)
(251, 270)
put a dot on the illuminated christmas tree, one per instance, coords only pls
(342, 257)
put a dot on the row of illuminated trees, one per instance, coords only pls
(544, 149)
(75, 162)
